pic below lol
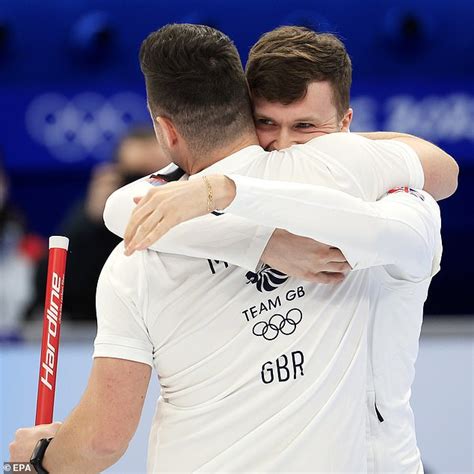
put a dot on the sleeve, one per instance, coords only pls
(399, 231)
(121, 330)
(227, 238)
(370, 167)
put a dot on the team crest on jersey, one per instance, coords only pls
(266, 279)
(406, 189)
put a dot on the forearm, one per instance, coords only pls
(368, 234)
(228, 238)
(75, 448)
(440, 169)
(322, 214)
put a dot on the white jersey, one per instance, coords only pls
(258, 371)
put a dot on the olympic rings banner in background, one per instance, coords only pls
(65, 131)
(84, 126)
(55, 128)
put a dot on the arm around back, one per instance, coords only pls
(440, 169)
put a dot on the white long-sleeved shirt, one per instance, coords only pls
(258, 371)
(399, 230)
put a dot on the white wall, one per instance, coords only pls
(443, 402)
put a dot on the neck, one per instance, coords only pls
(196, 165)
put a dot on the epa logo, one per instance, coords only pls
(17, 467)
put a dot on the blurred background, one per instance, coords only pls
(74, 127)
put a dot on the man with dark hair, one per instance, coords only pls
(219, 104)
(258, 371)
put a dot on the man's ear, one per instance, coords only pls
(346, 120)
(168, 130)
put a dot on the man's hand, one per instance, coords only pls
(305, 258)
(25, 440)
(161, 209)
(166, 206)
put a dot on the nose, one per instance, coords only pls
(283, 139)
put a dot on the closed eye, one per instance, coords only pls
(304, 125)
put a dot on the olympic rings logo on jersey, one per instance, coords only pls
(278, 324)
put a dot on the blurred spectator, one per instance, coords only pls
(137, 154)
(19, 252)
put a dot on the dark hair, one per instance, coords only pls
(284, 61)
(194, 76)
